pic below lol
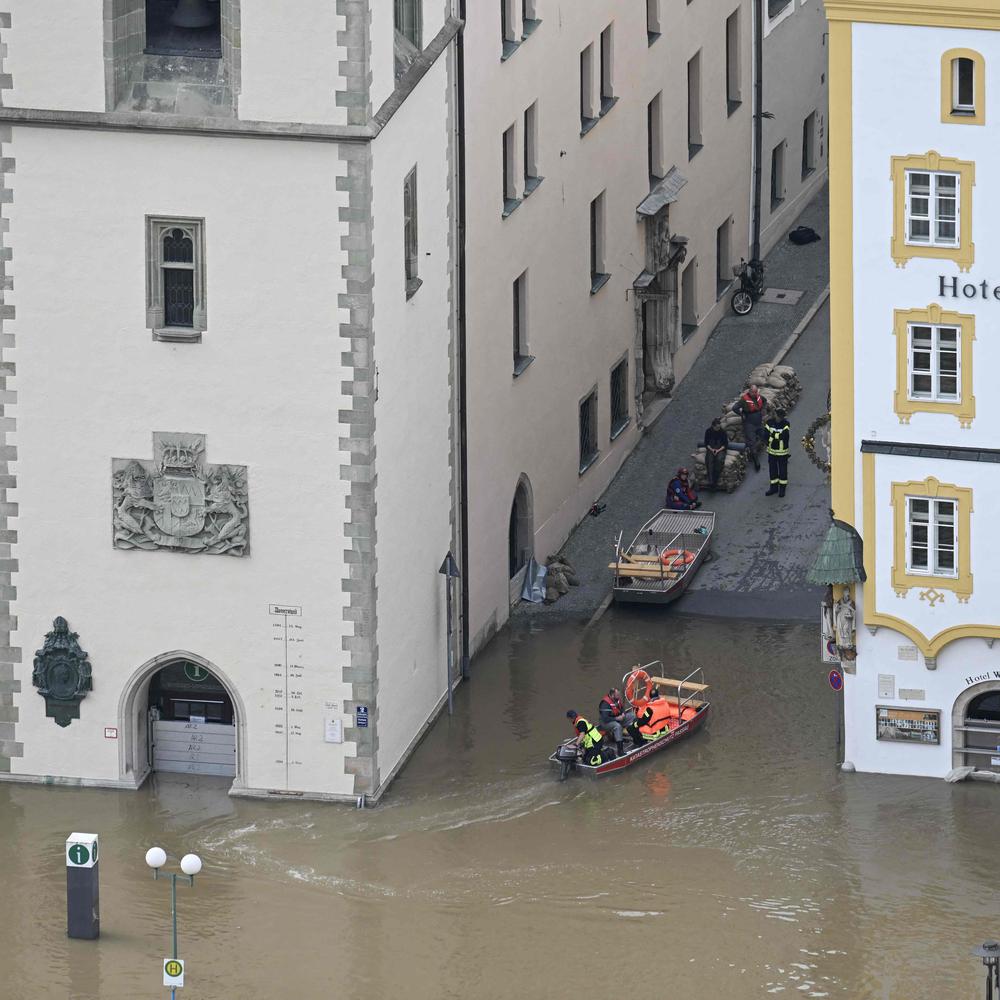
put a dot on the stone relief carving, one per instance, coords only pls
(62, 674)
(177, 501)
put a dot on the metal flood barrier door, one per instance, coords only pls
(194, 748)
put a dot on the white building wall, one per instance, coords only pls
(413, 416)
(264, 386)
(914, 127)
(795, 85)
(55, 54)
(291, 64)
(529, 425)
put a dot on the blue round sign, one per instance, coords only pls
(836, 680)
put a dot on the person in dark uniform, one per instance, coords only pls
(716, 444)
(778, 449)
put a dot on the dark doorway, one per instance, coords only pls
(184, 28)
(183, 691)
(981, 730)
(520, 535)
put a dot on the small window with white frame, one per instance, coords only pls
(932, 208)
(935, 362)
(931, 538)
(175, 278)
(963, 86)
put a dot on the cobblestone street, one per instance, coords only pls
(762, 546)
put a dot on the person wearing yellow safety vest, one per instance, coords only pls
(589, 739)
(778, 440)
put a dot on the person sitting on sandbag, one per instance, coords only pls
(716, 443)
(680, 495)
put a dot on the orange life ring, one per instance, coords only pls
(634, 679)
(676, 557)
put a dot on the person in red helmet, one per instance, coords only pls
(680, 495)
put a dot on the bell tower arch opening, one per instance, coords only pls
(180, 714)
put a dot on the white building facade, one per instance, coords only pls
(916, 465)
(229, 445)
(608, 156)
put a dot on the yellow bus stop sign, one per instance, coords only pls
(173, 972)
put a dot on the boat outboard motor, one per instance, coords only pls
(567, 756)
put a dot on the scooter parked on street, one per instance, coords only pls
(751, 275)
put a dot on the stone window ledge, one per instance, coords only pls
(598, 281)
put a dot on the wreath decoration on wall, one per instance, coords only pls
(809, 443)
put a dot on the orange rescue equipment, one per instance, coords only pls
(676, 557)
(636, 678)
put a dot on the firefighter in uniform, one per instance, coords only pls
(778, 437)
(589, 739)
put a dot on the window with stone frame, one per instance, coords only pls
(175, 278)
(411, 248)
(619, 398)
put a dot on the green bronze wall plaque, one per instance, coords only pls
(62, 674)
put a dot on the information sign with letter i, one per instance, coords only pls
(83, 917)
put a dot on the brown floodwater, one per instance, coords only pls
(739, 863)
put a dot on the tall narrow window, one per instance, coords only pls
(529, 17)
(509, 157)
(588, 111)
(733, 90)
(809, 145)
(520, 324)
(963, 87)
(935, 362)
(598, 277)
(777, 175)
(689, 299)
(931, 538)
(619, 398)
(694, 106)
(932, 199)
(508, 29)
(723, 258)
(652, 21)
(532, 176)
(607, 69)
(588, 431)
(407, 20)
(410, 234)
(654, 139)
(175, 278)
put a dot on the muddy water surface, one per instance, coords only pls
(740, 863)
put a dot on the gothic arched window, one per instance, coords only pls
(175, 278)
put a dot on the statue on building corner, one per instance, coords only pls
(844, 620)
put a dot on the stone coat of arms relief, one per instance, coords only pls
(177, 501)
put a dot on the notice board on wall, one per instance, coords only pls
(908, 725)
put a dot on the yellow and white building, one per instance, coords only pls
(915, 245)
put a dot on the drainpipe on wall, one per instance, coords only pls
(463, 437)
(758, 122)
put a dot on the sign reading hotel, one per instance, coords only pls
(952, 288)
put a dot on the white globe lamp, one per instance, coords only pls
(191, 864)
(156, 857)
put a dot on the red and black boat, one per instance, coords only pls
(683, 704)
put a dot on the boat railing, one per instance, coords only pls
(697, 672)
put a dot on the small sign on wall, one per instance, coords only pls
(906, 653)
(887, 686)
(334, 731)
(110, 733)
(361, 716)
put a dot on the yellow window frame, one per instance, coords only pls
(948, 113)
(933, 162)
(964, 408)
(932, 489)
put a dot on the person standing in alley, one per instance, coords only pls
(750, 407)
(716, 443)
(778, 438)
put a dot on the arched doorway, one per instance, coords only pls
(181, 715)
(976, 720)
(520, 535)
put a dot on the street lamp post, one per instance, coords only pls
(990, 954)
(156, 858)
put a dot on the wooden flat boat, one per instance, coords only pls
(689, 697)
(661, 561)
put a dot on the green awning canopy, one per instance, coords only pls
(840, 558)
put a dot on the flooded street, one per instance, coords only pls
(738, 863)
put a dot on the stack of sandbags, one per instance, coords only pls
(559, 577)
(733, 472)
(778, 384)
